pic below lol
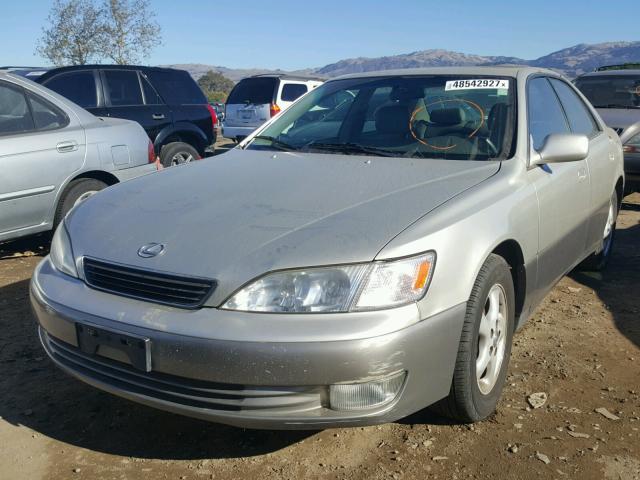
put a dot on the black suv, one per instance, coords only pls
(167, 103)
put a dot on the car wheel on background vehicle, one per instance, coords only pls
(76, 192)
(177, 153)
(485, 345)
(598, 261)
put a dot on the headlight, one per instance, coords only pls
(342, 288)
(61, 253)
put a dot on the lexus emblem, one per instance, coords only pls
(151, 250)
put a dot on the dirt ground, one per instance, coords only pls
(582, 348)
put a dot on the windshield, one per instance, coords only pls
(611, 91)
(436, 116)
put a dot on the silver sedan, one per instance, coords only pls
(367, 253)
(54, 154)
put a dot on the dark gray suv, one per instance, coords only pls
(167, 103)
(615, 93)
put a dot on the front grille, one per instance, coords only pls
(158, 287)
(181, 390)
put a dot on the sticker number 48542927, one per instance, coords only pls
(476, 83)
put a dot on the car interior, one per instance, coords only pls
(411, 120)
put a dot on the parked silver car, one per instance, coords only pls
(54, 154)
(346, 267)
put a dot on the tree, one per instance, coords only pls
(80, 31)
(130, 30)
(215, 86)
(74, 35)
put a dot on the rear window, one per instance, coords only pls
(291, 91)
(79, 87)
(176, 87)
(253, 90)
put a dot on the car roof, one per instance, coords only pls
(608, 73)
(71, 68)
(495, 70)
(289, 76)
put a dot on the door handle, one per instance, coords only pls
(68, 146)
(158, 116)
(582, 174)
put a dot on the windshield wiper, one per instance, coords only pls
(352, 148)
(275, 143)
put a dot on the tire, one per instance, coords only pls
(598, 261)
(76, 192)
(177, 153)
(471, 400)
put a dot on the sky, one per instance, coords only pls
(296, 34)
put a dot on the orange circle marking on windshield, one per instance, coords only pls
(471, 135)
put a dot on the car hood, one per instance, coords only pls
(619, 118)
(236, 216)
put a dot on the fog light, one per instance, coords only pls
(358, 396)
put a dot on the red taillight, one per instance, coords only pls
(151, 152)
(630, 149)
(214, 117)
(274, 109)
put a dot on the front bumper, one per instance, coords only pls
(247, 383)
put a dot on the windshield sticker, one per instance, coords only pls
(476, 83)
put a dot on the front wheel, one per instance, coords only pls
(485, 345)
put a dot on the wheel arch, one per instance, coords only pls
(512, 253)
(182, 132)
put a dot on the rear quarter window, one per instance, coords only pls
(292, 91)
(258, 91)
(177, 87)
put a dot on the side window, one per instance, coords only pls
(292, 91)
(15, 116)
(123, 87)
(79, 87)
(580, 118)
(545, 113)
(45, 115)
(151, 97)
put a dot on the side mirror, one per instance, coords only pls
(630, 132)
(561, 148)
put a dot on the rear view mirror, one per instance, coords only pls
(630, 132)
(562, 147)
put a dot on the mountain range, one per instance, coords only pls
(571, 61)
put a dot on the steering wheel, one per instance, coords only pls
(461, 100)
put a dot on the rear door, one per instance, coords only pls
(129, 95)
(249, 102)
(600, 160)
(184, 98)
(40, 147)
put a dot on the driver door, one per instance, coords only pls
(563, 190)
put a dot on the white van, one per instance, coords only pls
(254, 100)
